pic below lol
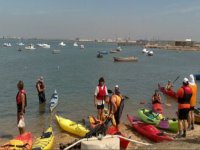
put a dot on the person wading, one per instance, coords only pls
(184, 95)
(21, 101)
(41, 90)
(156, 98)
(99, 96)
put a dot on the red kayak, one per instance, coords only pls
(157, 108)
(112, 130)
(170, 93)
(149, 131)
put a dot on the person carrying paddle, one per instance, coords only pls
(169, 85)
(184, 95)
(156, 98)
(41, 90)
(21, 103)
(99, 96)
(116, 105)
(193, 100)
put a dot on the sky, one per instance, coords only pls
(97, 19)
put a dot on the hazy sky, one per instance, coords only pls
(146, 19)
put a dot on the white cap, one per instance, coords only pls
(185, 80)
(116, 86)
(191, 79)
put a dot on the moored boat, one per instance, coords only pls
(150, 53)
(71, 126)
(113, 51)
(45, 142)
(30, 47)
(103, 52)
(147, 130)
(170, 93)
(125, 59)
(62, 44)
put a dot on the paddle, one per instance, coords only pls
(176, 79)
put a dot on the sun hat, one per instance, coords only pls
(185, 80)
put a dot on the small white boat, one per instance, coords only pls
(82, 46)
(150, 53)
(56, 51)
(119, 49)
(53, 101)
(7, 45)
(62, 44)
(30, 47)
(20, 44)
(145, 50)
(75, 44)
(46, 46)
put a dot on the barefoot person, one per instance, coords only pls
(193, 100)
(41, 90)
(184, 95)
(99, 96)
(21, 103)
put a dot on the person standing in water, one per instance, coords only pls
(193, 100)
(21, 104)
(99, 97)
(41, 90)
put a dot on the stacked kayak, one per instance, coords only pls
(170, 93)
(197, 115)
(45, 142)
(147, 130)
(158, 120)
(54, 101)
(157, 108)
(20, 142)
(71, 127)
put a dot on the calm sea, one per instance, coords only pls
(75, 73)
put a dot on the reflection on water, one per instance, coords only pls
(42, 108)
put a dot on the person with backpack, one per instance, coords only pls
(21, 101)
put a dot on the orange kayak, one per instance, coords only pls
(20, 142)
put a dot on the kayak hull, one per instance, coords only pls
(71, 126)
(147, 130)
(45, 142)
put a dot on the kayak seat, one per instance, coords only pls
(160, 134)
(173, 119)
(46, 135)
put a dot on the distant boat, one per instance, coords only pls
(75, 44)
(119, 49)
(30, 47)
(99, 55)
(103, 52)
(145, 50)
(82, 46)
(7, 45)
(150, 53)
(113, 51)
(20, 44)
(45, 46)
(62, 44)
(125, 59)
(56, 51)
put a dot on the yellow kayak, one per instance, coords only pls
(45, 142)
(71, 127)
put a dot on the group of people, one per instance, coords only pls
(114, 101)
(186, 98)
(21, 101)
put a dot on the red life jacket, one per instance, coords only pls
(102, 92)
(184, 102)
(18, 97)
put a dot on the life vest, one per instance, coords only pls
(18, 97)
(102, 92)
(194, 95)
(184, 102)
(41, 84)
(118, 100)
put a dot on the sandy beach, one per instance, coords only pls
(190, 142)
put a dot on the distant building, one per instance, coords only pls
(184, 43)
